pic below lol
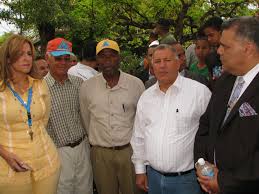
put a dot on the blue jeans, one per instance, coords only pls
(183, 184)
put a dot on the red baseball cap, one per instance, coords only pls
(59, 47)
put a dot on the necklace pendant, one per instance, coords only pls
(30, 132)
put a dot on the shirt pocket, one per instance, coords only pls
(183, 123)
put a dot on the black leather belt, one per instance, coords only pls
(177, 173)
(116, 147)
(76, 143)
(168, 174)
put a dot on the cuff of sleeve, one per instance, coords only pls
(140, 169)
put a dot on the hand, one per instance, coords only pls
(200, 176)
(209, 184)
(15, 162)
(141, 182)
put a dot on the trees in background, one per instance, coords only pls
(4, 37)
(133, 19)
(43, 17)
(127, 21)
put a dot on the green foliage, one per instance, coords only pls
(4, 37)
(126, 21)
(129, 62)
(89, 21)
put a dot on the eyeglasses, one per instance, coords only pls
(60, 58)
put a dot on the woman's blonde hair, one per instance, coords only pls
(10, 52)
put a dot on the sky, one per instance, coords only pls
(5, 27)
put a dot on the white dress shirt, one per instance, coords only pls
(248, 78)
(83, 71)
(166, 124)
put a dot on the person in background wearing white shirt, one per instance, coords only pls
(166, 122)
(85, 69)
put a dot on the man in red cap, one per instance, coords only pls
(64, 126)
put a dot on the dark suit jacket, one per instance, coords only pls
(187, 74)
(236, 142)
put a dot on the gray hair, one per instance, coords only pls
(246, 27)
(164, 47)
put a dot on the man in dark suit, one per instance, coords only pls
(228, 134)
(183, 71)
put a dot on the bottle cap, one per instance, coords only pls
(201, 161)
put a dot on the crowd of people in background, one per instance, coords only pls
(80, 125)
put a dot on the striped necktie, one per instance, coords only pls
(235, 95)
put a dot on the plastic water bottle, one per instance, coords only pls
(205, 168)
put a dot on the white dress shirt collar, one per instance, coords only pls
(248, 78)
(176, 85)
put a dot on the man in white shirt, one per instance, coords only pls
(165, 125)
(85, 69)
(182, 70)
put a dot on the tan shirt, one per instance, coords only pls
(108, 113)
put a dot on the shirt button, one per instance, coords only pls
(112, 115)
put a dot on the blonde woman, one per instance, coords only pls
(29, 162)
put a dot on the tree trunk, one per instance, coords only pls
(47, 33)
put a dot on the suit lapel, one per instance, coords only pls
(250, 91)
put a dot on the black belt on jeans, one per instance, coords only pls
(173, 173)
(76, 143)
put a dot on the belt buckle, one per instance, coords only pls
(114, 147)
